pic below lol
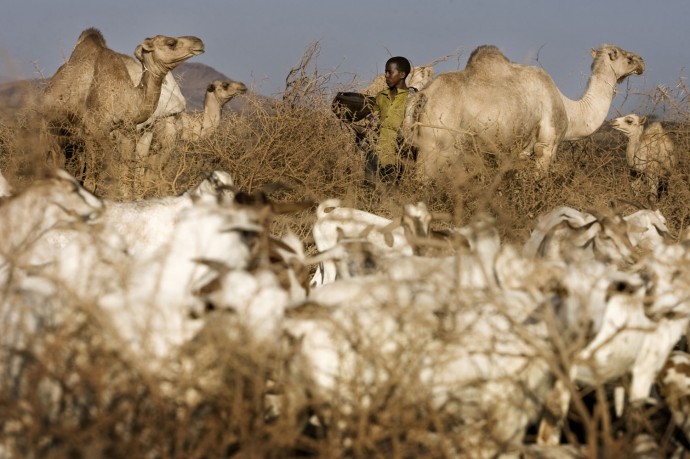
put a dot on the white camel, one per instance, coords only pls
(649, 153)
(500, 106)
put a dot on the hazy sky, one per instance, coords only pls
(258, 41)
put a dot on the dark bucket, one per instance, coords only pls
(352, 106)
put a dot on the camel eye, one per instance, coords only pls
(225, 86)
(171, 43)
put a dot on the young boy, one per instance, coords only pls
(383, 161)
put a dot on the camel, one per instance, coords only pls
(187, 127)
(94, 90)
(95, 84)
(171, 100)
(501, 106)
(419, 78)
(649, 153)
(195, 126)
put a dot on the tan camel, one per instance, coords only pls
(94, 92)
(171, 100)
(186, 127)
(501, 106)
(649, 153)
(95, 85)
(67, 91)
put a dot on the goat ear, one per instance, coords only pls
(388, 238)
(365, 232)
(290, 207)
(341, 233)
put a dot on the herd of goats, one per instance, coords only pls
(494, 337)
(472, 318)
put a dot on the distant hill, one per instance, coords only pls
(192, 77)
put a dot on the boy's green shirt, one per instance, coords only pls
(391, 114)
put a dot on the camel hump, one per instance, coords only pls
(655, 128)
(486, 53)
(91, 34)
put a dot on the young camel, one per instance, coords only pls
(649, 154)
(157, 144)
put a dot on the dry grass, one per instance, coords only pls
(104, 406)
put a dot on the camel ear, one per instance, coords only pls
(613, 54)
(211, 87)
(643, 119)
(594, 52)
(146, 45)
(139, 53)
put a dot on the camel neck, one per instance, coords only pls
(212, 112)
(632, 147)
(586, 114)
(149, 89)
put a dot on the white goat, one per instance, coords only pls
(647, 229)
(334, 221)
(472, 355)
(568, 234)
(148, 224)
(45, 204)
(153, 312)
(636, 320)
(649, 153)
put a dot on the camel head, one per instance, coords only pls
(620, 61)
(629, 124)
(225, 90)
(420, 77)
(162, 54)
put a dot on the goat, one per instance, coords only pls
(568, 234)
(649, 154)
(45, 204)
(635, 320)
(148, 224)
(334, 221)
(478, 356)
(153, 311)
(647, 229)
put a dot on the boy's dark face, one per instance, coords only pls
(394, 77)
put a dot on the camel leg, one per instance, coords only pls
(125, 171)
(435, 151)
(545, 147)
